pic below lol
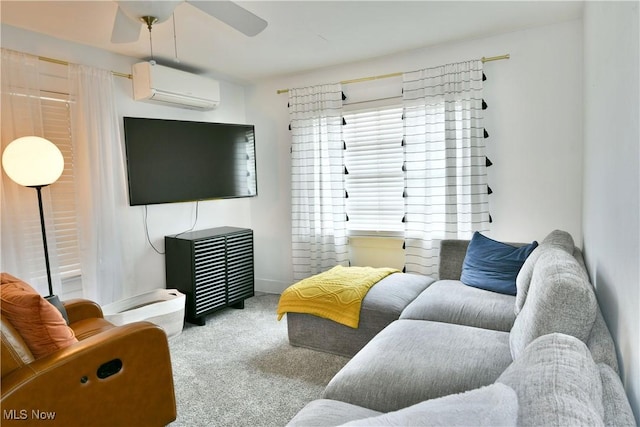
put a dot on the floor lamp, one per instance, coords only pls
(35, 162)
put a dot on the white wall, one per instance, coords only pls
(144, 267)
(534, 120)
(612, 176)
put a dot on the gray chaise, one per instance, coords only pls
(382, 305)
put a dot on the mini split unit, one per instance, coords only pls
(168, 86)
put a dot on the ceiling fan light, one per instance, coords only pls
(149, 20)
(161, 10)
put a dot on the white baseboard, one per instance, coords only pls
(270, 286)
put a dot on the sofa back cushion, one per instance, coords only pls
(38, 322)
(560, 300)
(452, 253)
(14, 352)
(617, 411)
(556, 239)
(557, 383)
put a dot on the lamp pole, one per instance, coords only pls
(44, 238)
(53, 299)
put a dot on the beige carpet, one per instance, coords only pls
(239, 369)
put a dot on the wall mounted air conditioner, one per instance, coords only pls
(168, 86)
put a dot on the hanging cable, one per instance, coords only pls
(146, 231)
(150, 20)
(146, 227)
(151, 46)
(194, 222)
(175, 40)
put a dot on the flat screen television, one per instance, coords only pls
(179, 161)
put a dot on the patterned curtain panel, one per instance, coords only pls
(319, 239)
(445, 167)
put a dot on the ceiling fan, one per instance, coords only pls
(132, 14)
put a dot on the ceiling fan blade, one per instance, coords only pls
(125, 29)
(233, 15)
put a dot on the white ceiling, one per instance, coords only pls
(301, 35)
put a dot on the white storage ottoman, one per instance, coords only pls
(164, 307)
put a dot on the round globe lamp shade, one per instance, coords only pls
(32, 161)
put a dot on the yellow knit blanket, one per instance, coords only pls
(335, 294)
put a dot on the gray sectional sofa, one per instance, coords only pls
(459, 355)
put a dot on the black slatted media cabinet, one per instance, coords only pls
(213, 268)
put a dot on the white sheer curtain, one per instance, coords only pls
(22, 251)
(101, 181)
(319, 239)
(446, 182)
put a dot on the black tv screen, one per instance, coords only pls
(179, 161)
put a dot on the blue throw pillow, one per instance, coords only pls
(493, 265)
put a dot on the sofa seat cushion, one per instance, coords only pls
(415, 360)
(560, 300)
(451, 301)
(490, 406)
(382, 305)
(557, 383)
(326, 412)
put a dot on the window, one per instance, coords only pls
(53, 122)
(374, 179)
(56, 121)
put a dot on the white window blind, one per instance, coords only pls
(57, 129)
(374, 179)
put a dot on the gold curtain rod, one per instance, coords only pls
(61, 62)
(385, 76)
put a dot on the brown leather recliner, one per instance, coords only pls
(113, 376)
